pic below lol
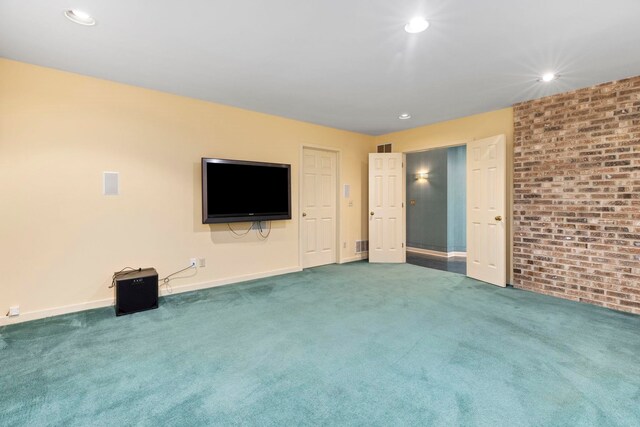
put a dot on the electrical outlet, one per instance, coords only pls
(202, 262)
(193, 262)
(14, 310)
(344, 245)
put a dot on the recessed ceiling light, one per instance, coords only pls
(548, 77)
(416, 25)
(404, 116)
(79, 17)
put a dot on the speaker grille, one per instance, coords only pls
(111, 185)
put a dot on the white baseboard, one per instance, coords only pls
(56, 311)
(359, 257)
(457, 254)
(437, 253)
(228, 281)
(175, 289)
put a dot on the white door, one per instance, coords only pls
(486, 210)
(386, 207)
(319, 211)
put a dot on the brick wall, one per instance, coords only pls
(577, 195)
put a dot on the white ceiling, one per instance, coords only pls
(347, 64)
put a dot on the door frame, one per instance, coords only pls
(508, 190)
(422, 150)
(338, 152)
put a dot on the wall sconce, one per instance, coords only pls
(422, 175)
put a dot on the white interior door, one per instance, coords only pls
(386, 207)
(319, 213)
(486, 213)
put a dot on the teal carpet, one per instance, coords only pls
(356, 344)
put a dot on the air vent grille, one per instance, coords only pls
(362, 246)
(384, 148)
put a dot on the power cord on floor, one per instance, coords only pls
(161, 282)
(165, 280)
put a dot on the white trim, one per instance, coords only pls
(73, 308)
(457, 254)
(359, 257)
(229, 281)
(439, 146)
(437, 253)
(56, 311)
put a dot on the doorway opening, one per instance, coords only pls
(436, 188)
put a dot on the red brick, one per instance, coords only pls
(576, 185)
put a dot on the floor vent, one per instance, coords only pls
(362, 246)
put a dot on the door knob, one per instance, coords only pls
(371, 213)
(498, 218)
(304, 214)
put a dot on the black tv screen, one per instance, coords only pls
(238, 190)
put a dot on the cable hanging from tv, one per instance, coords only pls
(262, 231)
(240, 234)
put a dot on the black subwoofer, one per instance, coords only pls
(136, 291)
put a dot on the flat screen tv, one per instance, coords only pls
(238, 190)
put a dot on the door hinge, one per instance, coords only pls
(403, 204)
(403, 245)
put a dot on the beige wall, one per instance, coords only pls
(458, 132)
(61, 239)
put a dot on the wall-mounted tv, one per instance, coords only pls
(238, 190)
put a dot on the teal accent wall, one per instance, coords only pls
(437, 221)
(457, 199)
(427, 219)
